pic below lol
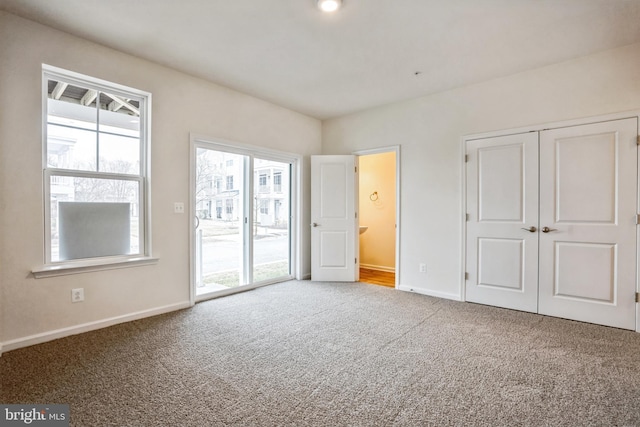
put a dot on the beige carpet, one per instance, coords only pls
(335, 354)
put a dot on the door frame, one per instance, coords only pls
(200, 141)
(538, 128)
(380, 150)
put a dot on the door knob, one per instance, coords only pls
(531, 229)
(315, 224)
(547, 229)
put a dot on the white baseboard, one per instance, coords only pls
(430, 293)
(378, 268)
(86, 327)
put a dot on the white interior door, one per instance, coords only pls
(334, 240)
(502, 208)
(587, 218)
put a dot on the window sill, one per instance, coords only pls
(63, 269)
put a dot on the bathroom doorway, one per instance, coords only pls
(378, 206)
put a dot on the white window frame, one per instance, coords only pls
(51, 268)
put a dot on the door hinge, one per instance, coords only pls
(355, 169)
(638, 219)
(466, 276)
(356, 215)
(466, 217)
(637, 296)
(466, 158)
(638, 140)
(356, 261)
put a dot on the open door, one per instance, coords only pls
(334, 221)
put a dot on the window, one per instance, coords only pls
(264, 206)
(262, 180)
(229, 182)
(95, 171)
(229, 203)
(277, 182)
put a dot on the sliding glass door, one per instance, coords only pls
(271, 219)
(220, 212)
(242, 204)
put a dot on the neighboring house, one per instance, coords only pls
(217, 182)
(218, 195)
(271, 182)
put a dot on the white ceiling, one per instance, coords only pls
(367, 54)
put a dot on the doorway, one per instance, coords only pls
(243, 223)
(378, 216)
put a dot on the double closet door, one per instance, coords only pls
(551, 222)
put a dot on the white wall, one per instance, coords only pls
(181, 104)
(429, 130)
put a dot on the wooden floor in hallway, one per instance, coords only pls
(376, 277)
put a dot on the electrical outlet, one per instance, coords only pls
(178, 207)
(77, 295)
(423, 268)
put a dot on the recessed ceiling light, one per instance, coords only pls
(329, 5)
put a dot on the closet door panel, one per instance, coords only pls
(502, 205)
(587, 220)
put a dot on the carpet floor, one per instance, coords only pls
(335, 354)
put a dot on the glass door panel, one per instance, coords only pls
(271, 219)
(220, 191)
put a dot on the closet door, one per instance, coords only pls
(587, 219)
(502, 208)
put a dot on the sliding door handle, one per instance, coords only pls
(531, 229)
